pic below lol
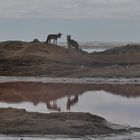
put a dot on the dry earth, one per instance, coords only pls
(38, 58)
(15, 121)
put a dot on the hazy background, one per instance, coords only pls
(85, 20)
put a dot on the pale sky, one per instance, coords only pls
(71, 9)
(86, 20)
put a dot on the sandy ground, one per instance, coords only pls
(38, 59)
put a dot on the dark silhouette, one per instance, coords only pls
(35, 41)
(72, 43)
(53, 105)
(71, 101)
(53, 37)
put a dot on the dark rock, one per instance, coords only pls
(15, 121)
(35, 41)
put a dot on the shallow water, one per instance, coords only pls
(90, 50)
(114, 108)
(117, 103)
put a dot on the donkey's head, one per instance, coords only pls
(59, 35)
(68, 37)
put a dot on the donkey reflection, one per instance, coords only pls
(71, 101)
(52, 105)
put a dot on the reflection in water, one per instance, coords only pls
(90, 50)
(36, 93)
(52, 105)
(117, 103)
(71, 101)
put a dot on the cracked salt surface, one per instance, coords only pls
(44, 79)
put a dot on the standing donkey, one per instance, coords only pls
(53, 37)
(72, 43)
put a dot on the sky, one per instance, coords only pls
(85, 20)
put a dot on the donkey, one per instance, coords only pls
(72, 43)
(53, 37)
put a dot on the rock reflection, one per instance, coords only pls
(16, 92)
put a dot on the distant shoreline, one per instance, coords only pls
(102, 44)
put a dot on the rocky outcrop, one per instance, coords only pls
(35, 41)
(15, 121)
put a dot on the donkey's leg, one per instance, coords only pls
(49, 41)
(53, 41)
